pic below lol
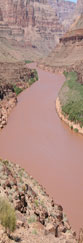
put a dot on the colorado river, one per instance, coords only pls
(41, 143)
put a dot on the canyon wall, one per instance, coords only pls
(68, 54)
(65, 11)
(37, 23)
(79, 7)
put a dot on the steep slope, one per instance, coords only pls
(78, 23)
(69, 52)
(11, 51)
(65, 11)
(38, 218)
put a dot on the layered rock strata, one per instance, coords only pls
(65, 11)
(68, 53)
(38, 24)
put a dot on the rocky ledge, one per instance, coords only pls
(14, 78)
(38, 218)
(6, 105)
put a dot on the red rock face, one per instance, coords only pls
(65, 11)
(38, 22)
(17, 12)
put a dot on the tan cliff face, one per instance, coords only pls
(79, 7)
(68, 54)
(34, 23)
(65, 11)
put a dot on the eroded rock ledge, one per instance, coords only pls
(39, 218)
(6, 105)
(14, 77)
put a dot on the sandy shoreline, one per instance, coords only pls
(62, 117)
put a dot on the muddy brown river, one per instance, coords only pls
(40, 142)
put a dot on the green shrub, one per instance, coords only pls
(76, 130)
(71, 98)
(34, 77)
(7, 215)
(71, 127)
(35, 74)
(65, 73)
(31, 81)
(17, 90)
(28, 61)
(36, 203)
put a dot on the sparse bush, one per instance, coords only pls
(28, 61)
(6, 162)
(35, 74)
(71, 127)
(36, 203)
(17, 90)
(65, 73)
(34, 231)
(7, 216)
(32, 219)
(31, 81)
(76, 130)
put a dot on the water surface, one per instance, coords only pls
(41, 143)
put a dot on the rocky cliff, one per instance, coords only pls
(65, 11)
(35, 23)
(68, 54)
(79, 7)
(38, 218)
(14, 78)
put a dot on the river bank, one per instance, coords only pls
(14, 78)
(69, 103)
(38, 217)
(72, 125)
(34, 138)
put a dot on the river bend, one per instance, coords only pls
(41, 143)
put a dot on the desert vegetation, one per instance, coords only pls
(71, 98)
(25, 208)
(19, 77)
(28, 61)
(17, 89)
(7, 215)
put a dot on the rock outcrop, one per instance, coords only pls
(79, 7)
(37, 24)
(14, 77)
(39, 218)
(68, 53)
(65, 11)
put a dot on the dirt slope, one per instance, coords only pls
(69, 51)
(39, 219)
